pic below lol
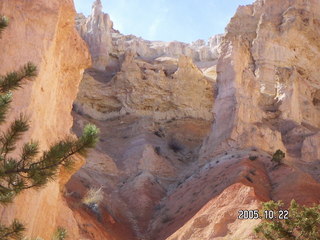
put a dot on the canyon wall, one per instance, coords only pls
(188, 130)
(44, 33)
(268, 78)
(131, 75)
(164, 89)
(268, 84)
(153, 103)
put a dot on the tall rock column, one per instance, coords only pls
(96, 31)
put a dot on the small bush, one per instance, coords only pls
(93, 197)
(278, 156)
(175, 146)
(252, 158)
(60, 234)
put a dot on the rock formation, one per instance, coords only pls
(186, 143)
(266, 61)
(177, 77)
(96, 31)
(107, 45)
(267, 89)
(165, 89)
(43, 32)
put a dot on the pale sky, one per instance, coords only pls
(168, 20)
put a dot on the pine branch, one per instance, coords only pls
(13, 80)
(5, 100)
(25, 174)
(65, 149)
(29, 152)
(6, 195)
(8, 140)
(14, 231)
(49, 163)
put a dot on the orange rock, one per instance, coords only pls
(43, 32)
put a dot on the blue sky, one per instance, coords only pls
(168, 20)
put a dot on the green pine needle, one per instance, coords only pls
(303, 223)
(12, 232)
(13, 80)
(5, 100)
(9, 139)
(60, 234)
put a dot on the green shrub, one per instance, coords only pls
(303, 223)
(60, 234)
(278, 156)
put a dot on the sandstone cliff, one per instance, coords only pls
(43, 32)
(268, 78)
(185, 146)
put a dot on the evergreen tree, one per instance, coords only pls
(278, 156)
(303, 223)
(31, 169)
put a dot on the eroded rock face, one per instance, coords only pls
(96, 31)
(153, 103)
(168, 173)
(269, 79)
(267, 99)
(132, 75)
(217, 217)
(108, 45)
(136, 162)
(43, 32)
(162, 90)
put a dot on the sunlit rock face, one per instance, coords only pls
(163, 80)
(153, 102)
(267, 99)
(44, 33)
(187, 143)
(268, 78)
(162, 90)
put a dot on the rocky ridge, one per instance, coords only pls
(107, 45)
